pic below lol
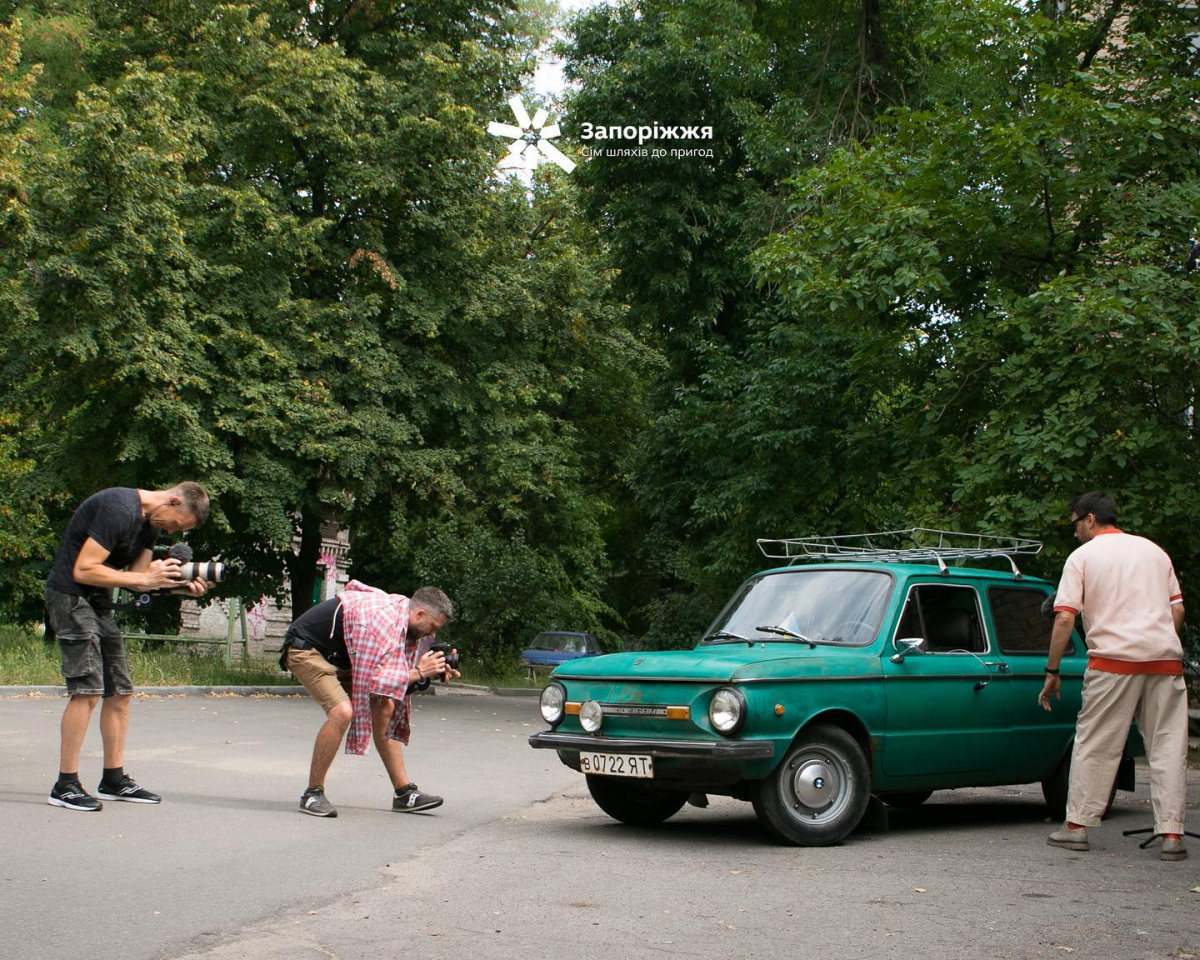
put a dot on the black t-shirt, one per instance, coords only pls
(113, 518)
(321, 627)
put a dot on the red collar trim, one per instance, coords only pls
(1100, 533)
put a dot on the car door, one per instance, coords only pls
(948, 700)
(1021, 631)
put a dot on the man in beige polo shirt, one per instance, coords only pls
(1132, 608)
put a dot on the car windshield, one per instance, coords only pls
(824, 606)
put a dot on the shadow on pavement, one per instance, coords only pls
(255, 804)
(22, 797)
(731, 825)
(972, 814)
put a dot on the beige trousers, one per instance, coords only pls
(1110, 702)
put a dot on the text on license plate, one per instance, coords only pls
(617, 764)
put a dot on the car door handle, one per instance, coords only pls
(999, 665)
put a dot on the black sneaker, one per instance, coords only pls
(73, 797)
(126, 789)
(314, 803)
(411, 800)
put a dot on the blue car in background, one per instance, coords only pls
(552, 647)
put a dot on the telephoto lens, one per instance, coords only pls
(211, 570)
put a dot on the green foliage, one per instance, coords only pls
(932, 273)
(748, 434)
(272, 258)
(543, 403)
(24, 539)
(1012, 255)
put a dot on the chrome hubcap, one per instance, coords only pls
(814, 783)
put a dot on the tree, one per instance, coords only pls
(23, 528)
(273, 258)
(932, 272)
(1017, 248)
(547, 401)
(213, 270)
(750, 419)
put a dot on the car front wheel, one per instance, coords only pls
(819, 793)
(633, 801)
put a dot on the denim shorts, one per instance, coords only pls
(93, 650)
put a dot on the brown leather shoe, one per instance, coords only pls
(1173, 849)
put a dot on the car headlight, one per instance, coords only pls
(553, 704)
(591, 716)
(727, 710)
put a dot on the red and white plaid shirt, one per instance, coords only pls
(375, 625)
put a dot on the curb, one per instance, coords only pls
(295, 690)
(284, 690)
(183, 691)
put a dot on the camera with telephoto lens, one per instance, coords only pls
(446, 651)
(211, 570)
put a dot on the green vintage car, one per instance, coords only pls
(859, 668)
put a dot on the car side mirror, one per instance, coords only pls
(908, 645)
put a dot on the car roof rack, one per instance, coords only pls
(914, 545)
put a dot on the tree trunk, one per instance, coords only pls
(302, 566)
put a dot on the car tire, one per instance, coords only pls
(819, 792)
(633, 801)
(906, 800)
(1056, 786)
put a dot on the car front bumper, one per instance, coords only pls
(733, 750)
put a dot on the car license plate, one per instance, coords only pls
(616, 764)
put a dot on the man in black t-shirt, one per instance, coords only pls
(107, 544)
(319, 628)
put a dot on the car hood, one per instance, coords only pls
(722, 664)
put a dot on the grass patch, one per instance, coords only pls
(503, 674)
(27, 660)
(202, 667)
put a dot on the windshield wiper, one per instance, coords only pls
(727, 637)
(790, 634)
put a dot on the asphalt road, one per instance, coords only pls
(520, 864)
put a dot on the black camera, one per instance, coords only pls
(446, 651)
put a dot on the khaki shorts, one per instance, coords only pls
(324, 682)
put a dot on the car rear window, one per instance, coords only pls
(1021, 627)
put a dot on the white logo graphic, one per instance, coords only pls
(530, 139)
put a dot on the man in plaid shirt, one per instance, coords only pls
(358, 655)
